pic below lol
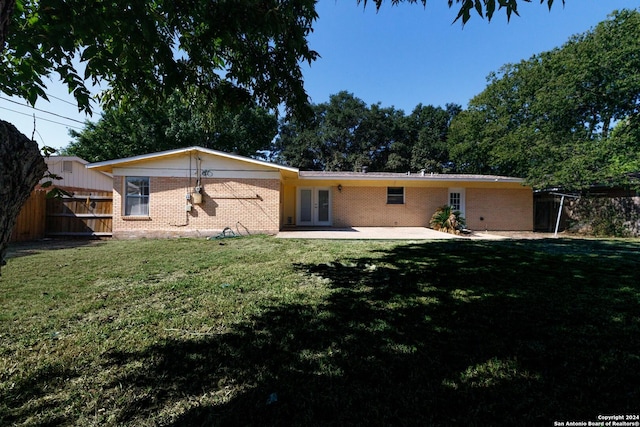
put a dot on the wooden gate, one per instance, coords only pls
(80, 215)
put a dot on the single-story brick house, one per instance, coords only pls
(197, 192)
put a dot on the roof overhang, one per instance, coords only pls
(109, 165)
(399, 177)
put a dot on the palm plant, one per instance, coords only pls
(448, 220)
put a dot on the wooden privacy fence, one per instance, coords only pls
(30, 224)
(81, 215)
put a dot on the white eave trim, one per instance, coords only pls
(417, 177)
(194, 149)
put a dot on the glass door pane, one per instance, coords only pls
(323, 206)
(306, 204)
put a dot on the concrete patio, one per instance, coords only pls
(380, 233)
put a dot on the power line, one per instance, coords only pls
(41, 118)
(43, 111)
(60, 99)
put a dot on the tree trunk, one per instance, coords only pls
(21, 167)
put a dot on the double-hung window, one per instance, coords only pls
(395, 195)
(136, 201)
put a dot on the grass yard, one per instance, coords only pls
(263, 331)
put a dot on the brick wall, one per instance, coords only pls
(367, 207)
(486, 208)
(500, 209)
(254, 203)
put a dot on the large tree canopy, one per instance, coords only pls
(237, 48)
(234, 50)
(549, 118)
(345, 134)
(179, 121)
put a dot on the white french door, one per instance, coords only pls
(314, 206)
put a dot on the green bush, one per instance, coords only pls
(447, 220)
(614, 217)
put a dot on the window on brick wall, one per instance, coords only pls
(136, 202)
(395, 195)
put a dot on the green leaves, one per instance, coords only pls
(467, 7)
(146, 49)
(549, 118)
(183, 120)
(345, 134)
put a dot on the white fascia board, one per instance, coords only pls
(65, 159)
(426, 178)
(247, 159)
(194, 149)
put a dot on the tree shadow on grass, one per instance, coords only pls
(19, 249)
(34, 391)
(442, 333)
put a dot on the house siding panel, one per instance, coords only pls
(79, 177)
(253, 203)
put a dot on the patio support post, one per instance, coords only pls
(559, 215)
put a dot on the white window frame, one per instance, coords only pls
(395, 199)
(127, 206)
(460, 193)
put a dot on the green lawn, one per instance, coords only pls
(264, 331)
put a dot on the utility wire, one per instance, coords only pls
(60, 99)
(43, 111)
(40, 118)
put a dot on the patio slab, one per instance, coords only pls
(379, 233)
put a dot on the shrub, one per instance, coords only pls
(447, 220)
(601, 216)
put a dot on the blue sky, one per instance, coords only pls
(398, 56)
